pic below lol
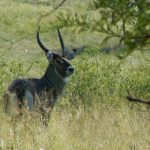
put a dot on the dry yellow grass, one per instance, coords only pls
(98, 128)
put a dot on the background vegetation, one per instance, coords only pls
(93, 112)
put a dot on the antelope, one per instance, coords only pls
(44, 91)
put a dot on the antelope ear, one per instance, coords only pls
(72, 54)
(49, 55)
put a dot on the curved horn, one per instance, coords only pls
(62, 43)
(39, 41)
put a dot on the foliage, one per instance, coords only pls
(11, 70)
(104, 81)
(128, 21)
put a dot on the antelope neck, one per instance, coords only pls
(48, 83)
(52, 77)
(63, 79)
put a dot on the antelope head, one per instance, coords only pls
(62, 64)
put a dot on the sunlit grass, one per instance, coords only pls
(100, 128)
(92, 113)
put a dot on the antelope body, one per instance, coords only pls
(42, 92)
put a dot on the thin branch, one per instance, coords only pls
(12, 43)
(52, 11)
(139, 100)
(133, 99)
(142, 37)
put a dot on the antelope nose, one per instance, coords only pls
(71, 69)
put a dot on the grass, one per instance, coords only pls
(93, 112)
(100, 128)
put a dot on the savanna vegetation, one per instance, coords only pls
(93, 112)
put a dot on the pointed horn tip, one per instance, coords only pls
(38, 28)
(58, 30)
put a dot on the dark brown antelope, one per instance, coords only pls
(45, 91)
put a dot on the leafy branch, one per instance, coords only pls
(126, 20)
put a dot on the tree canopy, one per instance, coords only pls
(126, 20)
